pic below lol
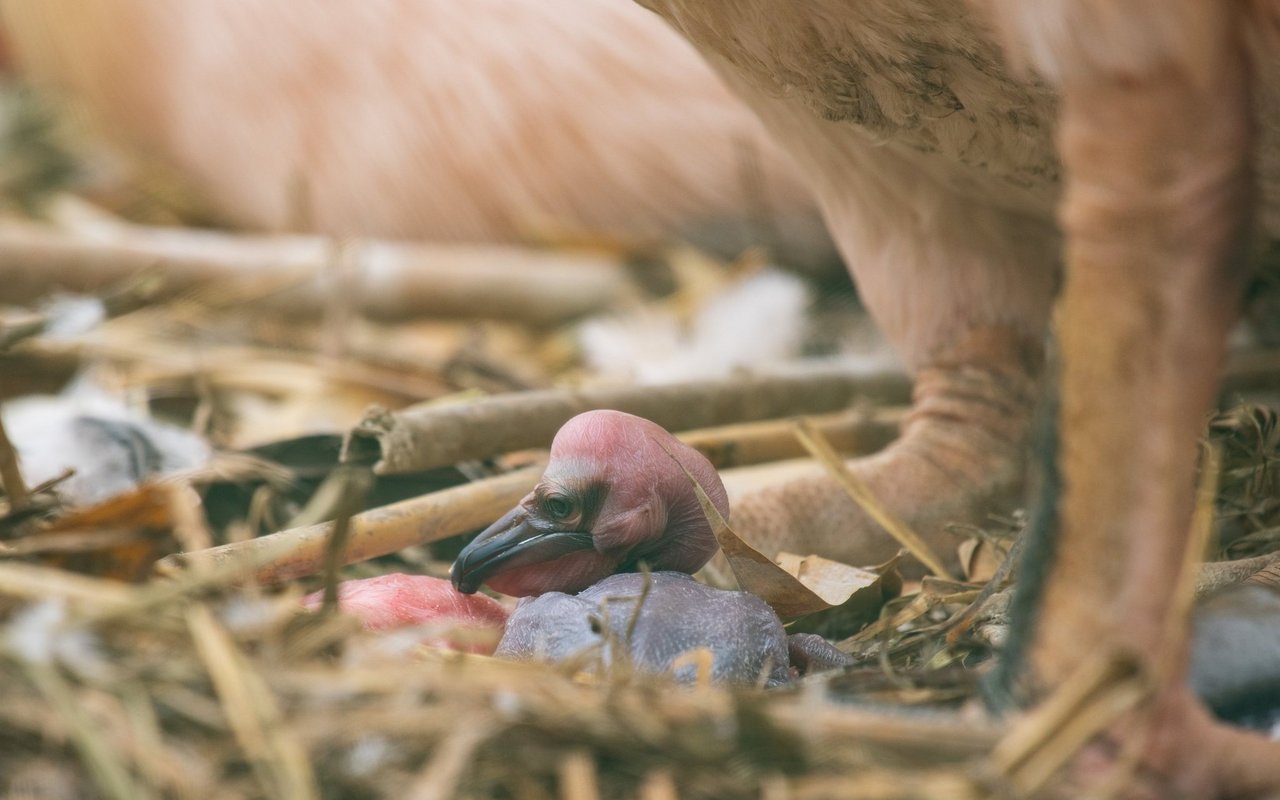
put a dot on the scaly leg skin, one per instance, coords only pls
(960, 457)
(1155, 140)
(961, 288)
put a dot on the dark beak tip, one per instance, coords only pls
(463, 587)
(458, 577)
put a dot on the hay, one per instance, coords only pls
(200, 688)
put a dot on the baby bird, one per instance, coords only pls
(617, 494)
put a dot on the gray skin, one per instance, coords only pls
(1235, 654)
(745, 637)
(678, 616)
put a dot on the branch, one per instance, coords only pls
(421, 438)
(389, 280)
(302, 551)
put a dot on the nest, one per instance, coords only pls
(198, 688)
(212, 682)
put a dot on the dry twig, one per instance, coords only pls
(301, 551)
(393, 280)
(438, 435)
(817, 445)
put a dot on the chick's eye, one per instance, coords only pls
(558, 506)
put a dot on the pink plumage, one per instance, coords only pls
(450, 619)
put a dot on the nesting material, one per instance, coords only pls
(218, 694)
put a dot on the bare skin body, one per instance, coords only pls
(446, 618)
(675, 616)
(939, 178)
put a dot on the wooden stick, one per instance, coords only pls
(389, 280)
(851, 432)
(301, 551)
(426, 437)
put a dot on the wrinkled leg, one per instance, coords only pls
(1154, 136)
(960, 457)
(962, 290)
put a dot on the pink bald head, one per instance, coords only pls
(613, 495)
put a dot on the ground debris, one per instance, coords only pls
(188, 699)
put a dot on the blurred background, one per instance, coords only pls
(232, 227)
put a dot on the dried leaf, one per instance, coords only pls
(831, 580)
(783, 590)
(149, 506)
(118, 538)
(755, 572)
(854, 595)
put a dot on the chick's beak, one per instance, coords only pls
(513, 541)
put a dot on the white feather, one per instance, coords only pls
(756, 322)
(110, 447)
